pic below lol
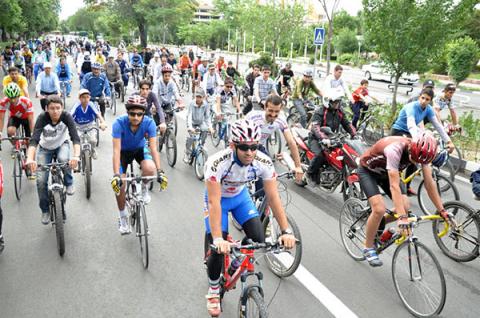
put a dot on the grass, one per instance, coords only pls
(474, 76)
(469, 88)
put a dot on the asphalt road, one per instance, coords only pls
(101, 274)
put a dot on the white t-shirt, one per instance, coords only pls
(258, 117)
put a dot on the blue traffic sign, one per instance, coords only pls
(319, 36)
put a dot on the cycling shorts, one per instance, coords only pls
(241, 206)
(127, 157)
(371, 181)
(17, 122)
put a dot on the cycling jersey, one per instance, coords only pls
(133, 140)
(87, 116)
(22, 82)
(28, 57)
(136, 60)
(96, 85)
(184, 62)
(388, 153)
(258, 117)
(227, 170)
(21, 110)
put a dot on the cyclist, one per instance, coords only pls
(360, 102)
(301, 96)
(427, 84)
(226, 174)
(39, 57)
(443, 101)
(409, 123)
(335, 82)
(270, 120)
(198, 117)
(19, 61)
(154, 108)
(14, 77)
(64, 74)
(146, 57)
(158, 69)
(195, 66)
(184, 64)
(99, 57)
(136, 59)
(166, 90)
(231, 71)
(85, 114)
(49, 140)
(220, 66)
(380, 166)
(172, 60)
(226, 98)
(85, 67)
(124, 68)
(113, 73)
(202, 69)
(134, 138)
(27, 56)
(286, 74)
(152, 67)
(330, 115)
(47, 84)
(98, 85)
(263, 86)
(7, 58)
(249, 81)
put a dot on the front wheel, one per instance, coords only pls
(171, 148)
(274, 144)
(446, 189)
(87, 171)
(142, 234)
(353, 227)
(199, 164)
(216, 136)
(58, 221)
(254, 305)
(418, 279)
(17, 175)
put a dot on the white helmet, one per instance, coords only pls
(244, 130)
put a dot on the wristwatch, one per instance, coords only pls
(287, 231)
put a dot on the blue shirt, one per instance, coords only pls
(47, 84)
(64, 72)
(87, 116)
(96, 85)
(130, 140)
(414, 110)
(136, 60)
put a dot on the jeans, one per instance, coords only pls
(45, 156)
(357, 112)
(37, 68)
(67, 84)
(299, 105)
(189, 140)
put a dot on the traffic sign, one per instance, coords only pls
(319, 36)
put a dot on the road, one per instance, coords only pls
(101, 274)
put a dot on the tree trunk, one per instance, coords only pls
(142, 29)
(395, 91)
(329, 43)
(274, 50)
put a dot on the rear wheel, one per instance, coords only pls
(87, 170)
(216, 136)
(58, 221)
(171, 148)
(373, 131)
(143, 233)
(446, 189)
(199, 163)
(353, 225)
(17, 175)
(254, 305)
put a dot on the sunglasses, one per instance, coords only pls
(136, 114)
(246, 147)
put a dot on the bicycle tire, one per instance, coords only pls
(17, 175)
(175, 124)
(411, 281)
(199, 164)
(373, 131)
(58, 221)
(97, 132)
(352, 225)
(468, 229)
(274, 264)
(274, 145)
(255, 306)
(160, 140)
(351, 190)
(293, 119)
(216, 135)
(142, 233)
(87, 170)
(451, 193)
(171, 148)
(114, 104)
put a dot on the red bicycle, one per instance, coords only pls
(240, 264)
(19, 155)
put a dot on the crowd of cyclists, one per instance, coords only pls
(104, 76)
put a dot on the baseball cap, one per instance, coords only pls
(429, 83)
(83, 91)
(199, 92)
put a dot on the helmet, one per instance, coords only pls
(423, 148)
(12, 90)
(308, 72)
(136, 101)
(167, 68)
(244, 130)
(96, 65)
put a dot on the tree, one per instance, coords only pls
(345, 42)
(11, 18)
(343, 20)
(40, 15)
(406, 41)
(462, 56)
(330, 7)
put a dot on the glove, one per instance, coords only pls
(162, 179)
(326, 142)
(116, 183)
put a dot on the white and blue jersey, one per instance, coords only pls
(85, 117)
(133, 140)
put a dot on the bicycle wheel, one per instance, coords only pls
(351, 190)
(17, 175)
(274, 144)
(373, 131)
(58, 221)
(418, 279)
(171, 148)
(254, 304)
(353, 224)
(286, 262)
(460, 243)
(455, 160)
(87, 171)
(114, 104)
(449, 193)
(293, 119)
(142, 234)
(199, 164)
(216, 136)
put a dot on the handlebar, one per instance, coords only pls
(251, 246)
(51, 165)
(15, 138)
(139, 178)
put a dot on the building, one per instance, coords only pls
(205, 12)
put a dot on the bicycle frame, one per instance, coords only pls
(246, 268)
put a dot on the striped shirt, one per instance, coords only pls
(264, 87)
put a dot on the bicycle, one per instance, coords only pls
(63, 91)
(293, 118)
(136, 208)
(19, 156)
(416, 260)
(274, 144)
(369, 126)
(222, 129)
(57, 197)
(113, 100)
(169, 137)
(198, 156)
(85, 163)
(137, 74)
(185, 80)
(29, 73)
(251, 302)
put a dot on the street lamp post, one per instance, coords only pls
(360, 40)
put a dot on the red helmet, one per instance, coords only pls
(167, 68)
(423, 149)
(136, 101)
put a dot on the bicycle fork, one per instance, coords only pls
(246, 288)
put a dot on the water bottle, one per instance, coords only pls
(234, 265)
(387, 234)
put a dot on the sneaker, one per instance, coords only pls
(70, 189)
(213, 305)
(186, 159)
(411, 192)
(372, 257)
(146, 194)
(45, 218)
(2, 244)
(94, 154)
(124, 225)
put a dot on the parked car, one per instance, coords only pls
(378, 71)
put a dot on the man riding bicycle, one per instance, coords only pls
(50, 139)
(98, 85)
(226, 100)
(249, 82)
(64, 74)
(19, 62)
(15, 77)
(263, 86)
(47, 84)
(301, 96)
(113, 73)
(134, 138)
(286, 74)
(154, 109)
(444, 100)
(166, 90)
(211, 81)
(226, 174)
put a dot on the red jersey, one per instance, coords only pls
(389, 153)
(195, 67)
(21, 110)
(184, 62)
(359, 91)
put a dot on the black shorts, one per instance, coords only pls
(17, 122)
(127, 157)
(370, 181)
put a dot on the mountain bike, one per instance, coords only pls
(198, 156)
(417, 275)
(85, 163)
(19, 155)
(222, 129)
(137, 74)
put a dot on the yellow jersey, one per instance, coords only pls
(22, 82)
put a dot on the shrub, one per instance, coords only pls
(462, 56)
(347, 58)
(265, 59)
(311, 60)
